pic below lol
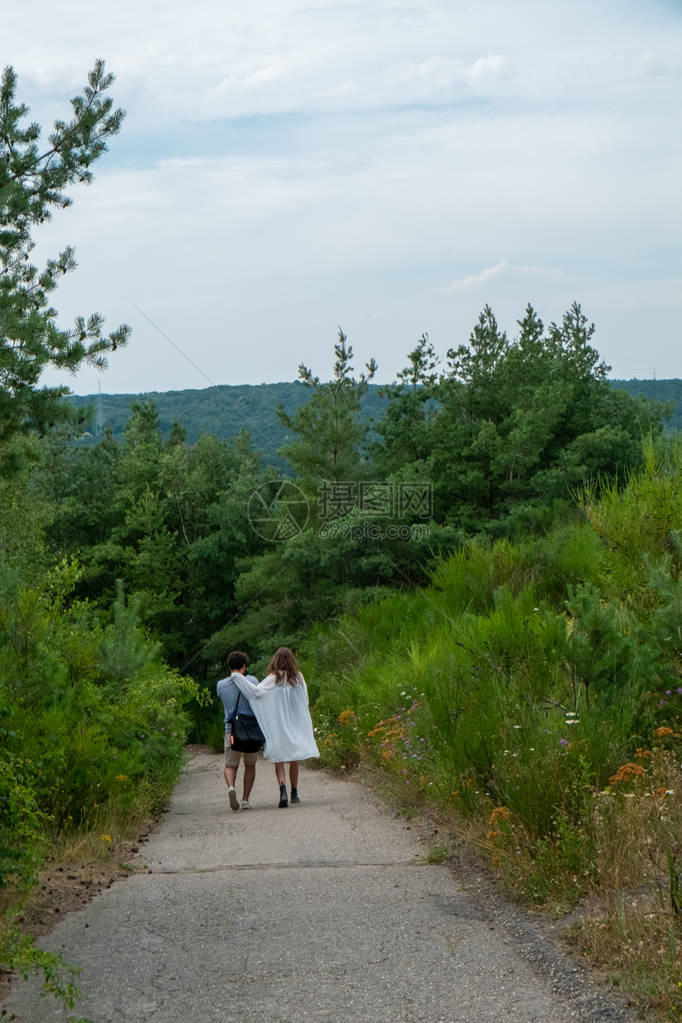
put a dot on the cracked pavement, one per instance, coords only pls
(319, 912)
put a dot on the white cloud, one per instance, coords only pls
(220, 58)
(426, 139)
(492, 65)
(436, 73)
(644, 64)
(502, 269)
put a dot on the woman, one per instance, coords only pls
(280, 704)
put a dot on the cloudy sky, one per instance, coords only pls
(389, 166)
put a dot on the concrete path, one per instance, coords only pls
(323, 912)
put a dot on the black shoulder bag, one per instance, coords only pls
(246, 734)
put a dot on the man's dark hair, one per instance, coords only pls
(236, 660)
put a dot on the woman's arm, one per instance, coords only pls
(246, 686)
(251, 691)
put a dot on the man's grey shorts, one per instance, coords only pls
(233, 756)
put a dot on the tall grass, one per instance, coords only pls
(528, 684)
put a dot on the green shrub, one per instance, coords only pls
(22, 823)
(525, 675)
(88, 733)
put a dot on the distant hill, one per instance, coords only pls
(226, 410)
(222, 411)
(660, 390)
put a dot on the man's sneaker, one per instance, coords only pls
(246, 805)
(294, 796)
(232, 796)
(283, 801)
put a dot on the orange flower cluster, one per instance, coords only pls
(499, 813)
(628, 772)
(394, 733)
(642, 754)
(346, 716)
(663, 731)
(388, 730)
(389, 733)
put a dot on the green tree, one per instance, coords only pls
(279, 592)
(33, 183)
(331, 436)
(522, 423)
(79, 484)
(405, 426)
(354, 544)
(168, 519)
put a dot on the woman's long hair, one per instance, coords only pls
(283, 666)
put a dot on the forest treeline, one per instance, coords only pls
(204, 537)
(225, 411)
(486, 559)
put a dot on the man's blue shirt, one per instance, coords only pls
(228, 692)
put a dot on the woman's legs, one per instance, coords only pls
(282, 779)
(280, 774)
(293, 778)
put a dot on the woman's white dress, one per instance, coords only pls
(282, 713)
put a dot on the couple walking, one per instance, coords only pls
(280, 706)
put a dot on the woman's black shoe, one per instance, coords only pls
(283, 801)
(294, 796)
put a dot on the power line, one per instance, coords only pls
(171, 342)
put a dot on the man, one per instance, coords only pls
(229, 693)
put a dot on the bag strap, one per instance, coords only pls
(234, 712)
